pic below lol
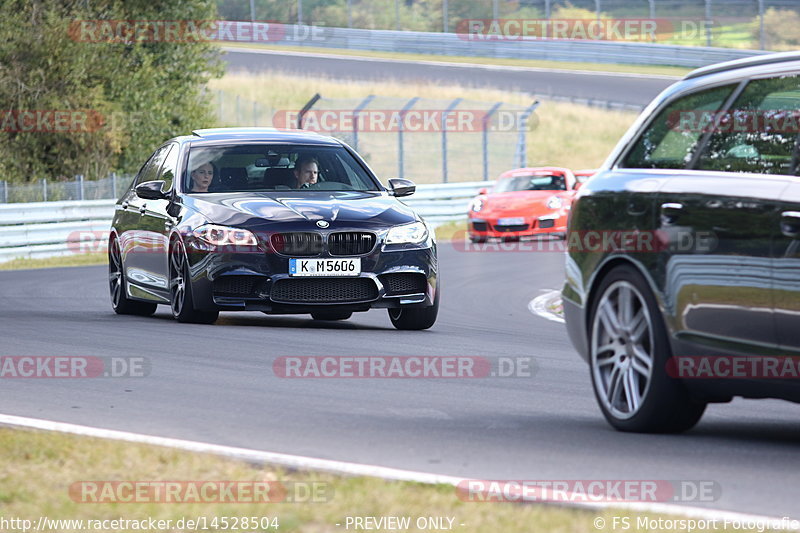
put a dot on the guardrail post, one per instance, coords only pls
(522, 129)
(485, 133)
(447, 111)
(44, 189)
(406, 109)
(79, 182)
(238, 116)
(360, 107)
(113, 185)
(5, 191)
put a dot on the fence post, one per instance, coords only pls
(238, 115)
(5, 191)
(305, 110)
(522, 150)
(485, 132)
(452, 106)
(762, 40)
(44, 189)
(350, 13)
(445, 21)
(597, 9)
(113, 185)
(406, 109)
(219, 102)
(255, 113)
(708, 23)
(360, 107)
(79, 180)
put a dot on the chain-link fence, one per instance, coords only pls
(751, 24)
(57, 190)
(424, 139)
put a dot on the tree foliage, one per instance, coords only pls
(142, 92)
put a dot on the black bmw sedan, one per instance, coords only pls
(282, 222)
(683, 272)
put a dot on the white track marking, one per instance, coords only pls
(484, 66)
(540, 306)
(339, 467)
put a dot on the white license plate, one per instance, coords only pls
(325, 267)
(510, 221)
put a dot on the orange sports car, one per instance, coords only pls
(524, 202)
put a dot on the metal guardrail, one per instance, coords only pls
(49, 229)
(457, 44)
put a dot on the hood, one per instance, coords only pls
(518, 200)
(339, 208)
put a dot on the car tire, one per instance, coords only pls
(331, 315)
(119, 293)
(180, 289)
(628, 354)
(415, 318)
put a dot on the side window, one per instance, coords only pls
(670, 140)
(758, 134)
(150, 171)
(170, 168)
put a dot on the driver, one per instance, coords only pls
(306, 171)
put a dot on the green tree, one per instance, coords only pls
(140, 92)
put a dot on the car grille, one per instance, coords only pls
(324, 290)
(515, 227)
(480, 226)
(351, 243)
(404, 283)
(298, 244)
(236, 286)
(547, 223)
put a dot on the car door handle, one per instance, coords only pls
(125, 206)
(790, 224)
(143, 209)
(670, 211)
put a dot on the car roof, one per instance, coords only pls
(527, 171)
(759, 60)
(220, 135)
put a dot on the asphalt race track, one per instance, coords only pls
(216, 384)
(627, 89)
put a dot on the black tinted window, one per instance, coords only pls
(151, 169)
(758, 133)
(670, 140)
(170, 167)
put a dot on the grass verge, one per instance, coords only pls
(509, 62)
(41, 470)
(54, 262)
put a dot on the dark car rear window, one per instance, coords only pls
(271, 167)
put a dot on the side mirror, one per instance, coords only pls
(151, 190)
(483, 190)
(402, 187)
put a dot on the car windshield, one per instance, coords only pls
(531, 183)
(274, 167)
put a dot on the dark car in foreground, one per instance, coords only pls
(275, 221)
(683, 266)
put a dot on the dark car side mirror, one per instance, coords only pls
(402, 187)
(151, 190)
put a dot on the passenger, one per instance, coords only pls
(306, 171)
(201, 177)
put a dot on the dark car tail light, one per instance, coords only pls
(351, 243)
(300, 244)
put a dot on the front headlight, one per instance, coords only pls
(477, 204)
(413, 233)
(554, 202)
(225, 236)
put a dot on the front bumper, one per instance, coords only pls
(391, 277)
(489, 227)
